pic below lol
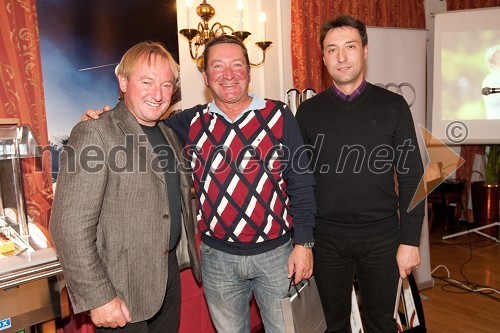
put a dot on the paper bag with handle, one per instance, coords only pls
(302, 309)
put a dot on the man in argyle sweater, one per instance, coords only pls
(253, 186)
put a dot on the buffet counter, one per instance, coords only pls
(30, 285)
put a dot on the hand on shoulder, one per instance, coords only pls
(94, 114)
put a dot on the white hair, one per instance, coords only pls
(490, 54)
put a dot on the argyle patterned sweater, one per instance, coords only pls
(251, 181)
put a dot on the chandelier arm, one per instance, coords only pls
(204, 34)
(264, 45)
(260, 63)
(226, 26)
(193, 56)
(217, 26)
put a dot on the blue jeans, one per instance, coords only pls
(229, 281)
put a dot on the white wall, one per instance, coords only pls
(432, 7)
(407, 46)
(268, 80)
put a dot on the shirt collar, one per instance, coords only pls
(258, 103)
(353, 95)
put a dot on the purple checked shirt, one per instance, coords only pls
(351, 97)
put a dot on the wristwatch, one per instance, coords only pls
(306, 245)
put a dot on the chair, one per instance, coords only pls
(448, 195)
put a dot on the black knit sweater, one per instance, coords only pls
(357, 147)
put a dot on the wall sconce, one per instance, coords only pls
(204, 33)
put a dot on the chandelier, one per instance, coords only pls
(204, 33)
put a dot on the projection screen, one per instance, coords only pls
(466, 82)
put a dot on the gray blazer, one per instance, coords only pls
(110, 220)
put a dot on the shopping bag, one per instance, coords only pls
(408, 311)
(302, 309)
(356, 321)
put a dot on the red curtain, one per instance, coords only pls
(471, 4)
(309, 15)
(21, 96)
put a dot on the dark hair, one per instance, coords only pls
(224, 39)
(343, 21)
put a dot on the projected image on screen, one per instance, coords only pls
(491, 83)
(470, 64)
(466, 77)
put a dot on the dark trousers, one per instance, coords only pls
(373, 262)
(166, 320)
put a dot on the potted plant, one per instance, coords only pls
(492, 169)
(486, 194)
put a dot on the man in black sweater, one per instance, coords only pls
(361, 136)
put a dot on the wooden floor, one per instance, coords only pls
(472, 258)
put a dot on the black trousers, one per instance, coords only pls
(166, 320)
(373, 262)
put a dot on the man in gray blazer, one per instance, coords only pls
(122, 222)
